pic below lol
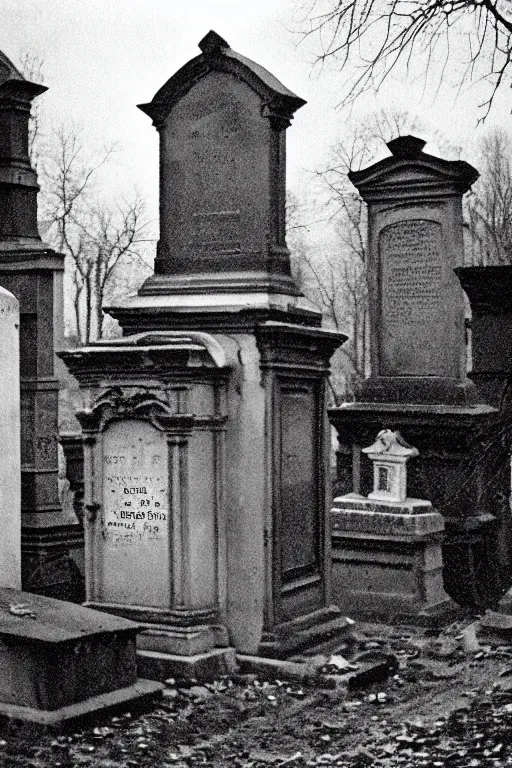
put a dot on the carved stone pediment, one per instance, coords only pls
(217, 56)
(133, 403)
(408, 169)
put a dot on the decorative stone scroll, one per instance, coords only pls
(389, 454)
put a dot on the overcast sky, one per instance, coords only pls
(103, 57)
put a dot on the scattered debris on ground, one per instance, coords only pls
(445, 700)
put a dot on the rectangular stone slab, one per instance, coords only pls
(56, 621)
(60, 654)
(356, 502)
(106, 703)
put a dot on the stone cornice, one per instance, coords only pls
(286, 345)
(411, 172)
(217, 56)
(154, 355)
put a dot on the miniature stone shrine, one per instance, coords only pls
(418, 382)
(387, 559)
(249, 562)
(33, 273)
(389, 454)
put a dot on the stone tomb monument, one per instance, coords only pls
(58, 661)
(33, 273)
(248, 564)
(387, 558)
(155, 541)
(416, 304)
(418, 382)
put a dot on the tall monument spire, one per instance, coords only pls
(33, 272)
(18, 180)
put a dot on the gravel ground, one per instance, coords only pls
(447, 704)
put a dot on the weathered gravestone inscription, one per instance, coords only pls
(413, 292)
(135, 524)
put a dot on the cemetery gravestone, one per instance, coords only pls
(418, 381)
(416, 303)
(10, 466)
(222, 176)
(223, 270)
(489, 290)
(154, 525)
(33, 273)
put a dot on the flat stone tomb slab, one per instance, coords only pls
(60, 661)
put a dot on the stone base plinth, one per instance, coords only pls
(387, 560)
(136, 696)
(166, 650)
(59, 661)
(307, 632)
(181, 641)
(461, 469)
(201, 666)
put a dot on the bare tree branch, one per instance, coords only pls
(102, 242)
(376, 37)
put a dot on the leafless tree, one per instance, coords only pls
(489, 207)
(101, 241)
(469, 39)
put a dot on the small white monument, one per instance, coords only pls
(390, 454)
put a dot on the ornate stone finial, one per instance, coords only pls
(212, 44)
(391, 443)
(390, 453)
(406, 146)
